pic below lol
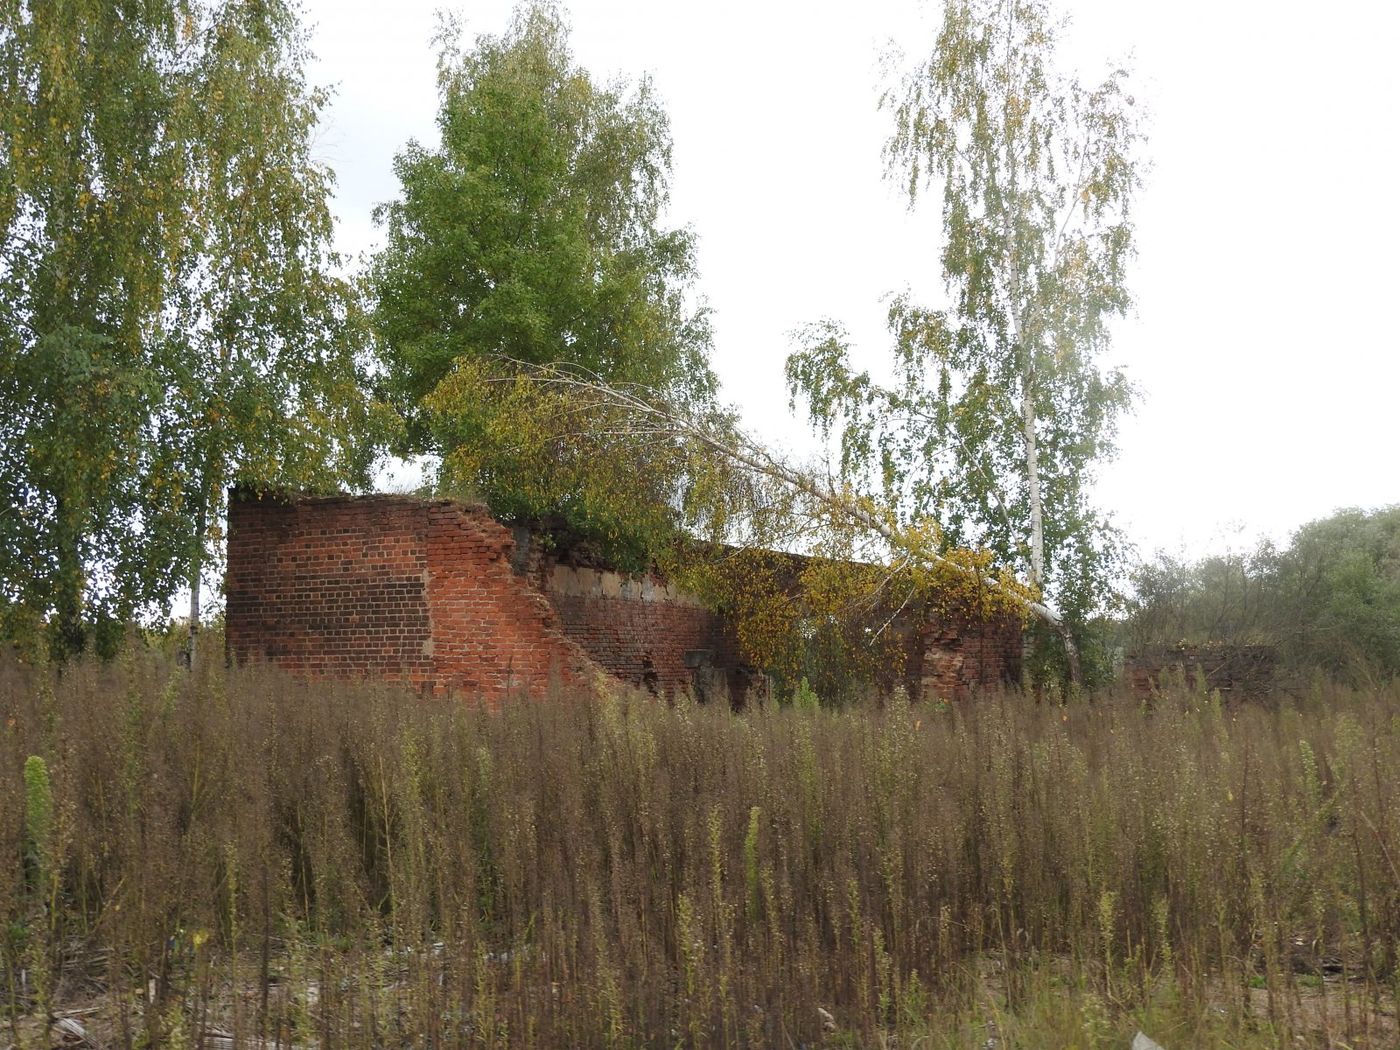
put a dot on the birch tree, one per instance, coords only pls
(88, 198)
(1000, 406)
(172, 322)
(265, 345)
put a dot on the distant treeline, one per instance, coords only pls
(1329, 601)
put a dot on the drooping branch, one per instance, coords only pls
(634, 411)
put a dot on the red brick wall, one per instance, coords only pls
(330, 588)
(433, 594)
(1235, 670)
(960, 657)
(390, 588)
(494, 634)
(643, 632)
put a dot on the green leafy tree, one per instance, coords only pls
(1231, 598)
(88, 208)
(1329, 601)
(1339, 594)
(171, 318)
(266, 347)
(533, 232)
(1000, 407)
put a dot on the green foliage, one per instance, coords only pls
(266, 347)
(171, 319)
(804, 697)
(583, 477)
(1099, 649)
(90, 187)
(38, 817)
(533, 318)
(1339, 584)
(532, 232)
(1230, 598)
(39, 925)
(1000, 408)
(830, 627)
(1329, 601)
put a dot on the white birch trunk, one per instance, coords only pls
(190, 645)
(1032, 453)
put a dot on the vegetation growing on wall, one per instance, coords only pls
(685, 475)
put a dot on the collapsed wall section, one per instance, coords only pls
(646, 632)
(493, 633)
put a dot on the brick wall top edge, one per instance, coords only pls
(951, 619)
(381, 499)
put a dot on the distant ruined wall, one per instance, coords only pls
(442, 597)
(1234, 670)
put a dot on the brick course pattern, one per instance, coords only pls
(960, 658)
(391, 588)
(644, 632)
(442, 597)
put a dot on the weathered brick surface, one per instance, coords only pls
(643, 631)
(493, 633)
(330, 588)
(960, 657)
(391, 588)
(441, 596)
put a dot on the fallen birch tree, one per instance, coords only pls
(694, 471)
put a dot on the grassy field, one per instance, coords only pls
(191, 860)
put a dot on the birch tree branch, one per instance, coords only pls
(656, 418)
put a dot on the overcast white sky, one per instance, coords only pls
(1263, 343)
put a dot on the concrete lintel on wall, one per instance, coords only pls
(573, 581)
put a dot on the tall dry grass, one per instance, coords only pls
(236, 853)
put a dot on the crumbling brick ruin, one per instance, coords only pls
(1237, 671)
(441, 596)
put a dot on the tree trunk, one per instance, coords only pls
(1032, 450)
(1037, 511)
(1076, 673)
(196, 574)
(658, 418)
(70, 635)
